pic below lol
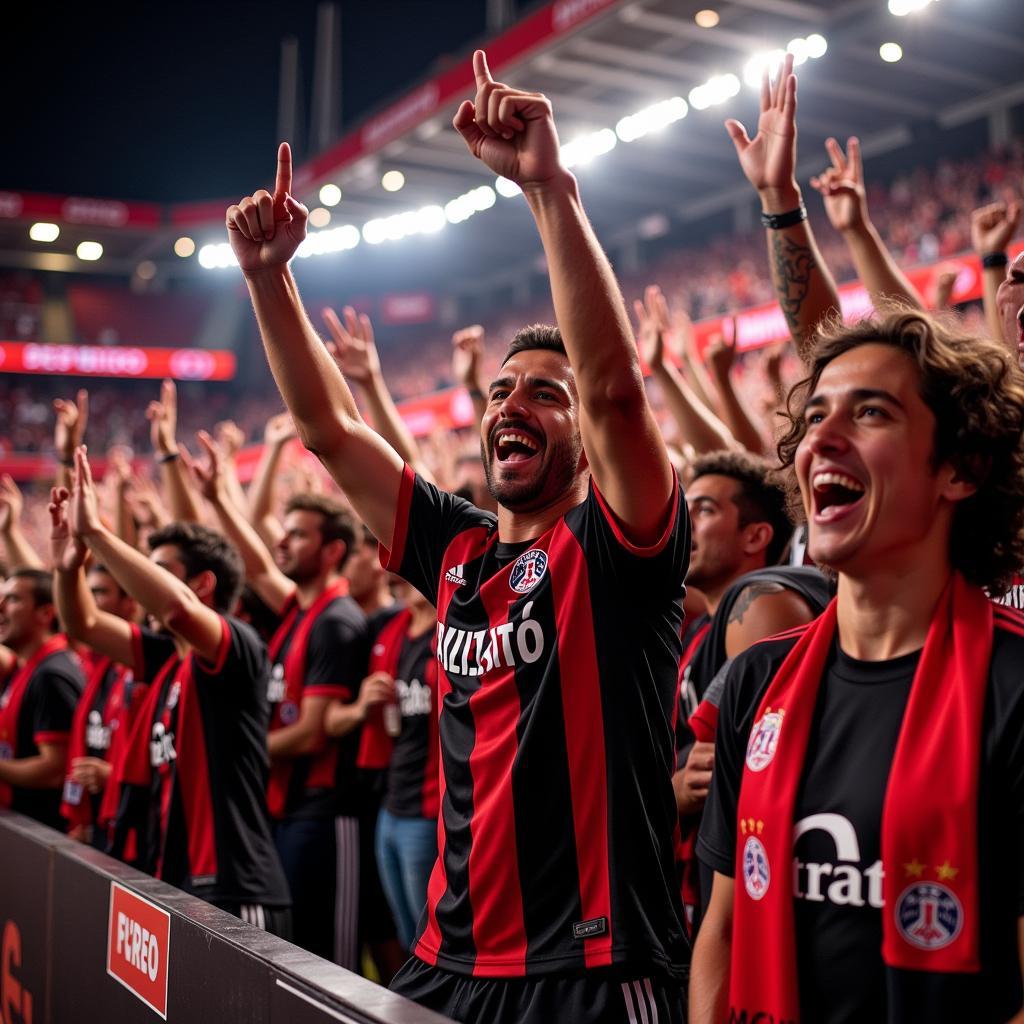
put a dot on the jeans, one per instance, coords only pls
(406, 851)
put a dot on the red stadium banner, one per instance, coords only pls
(138, 947)
(411, 308)
(117, 361)
(103, 213)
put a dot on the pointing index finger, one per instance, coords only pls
(283, 183)
(480, 69)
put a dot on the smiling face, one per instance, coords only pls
(871, 493)
(23, 621)
(530, 434)
(1010, 303)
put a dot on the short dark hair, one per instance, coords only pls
(336, 523)
(202, 549)
(542, 336)
(976, 395)
(42, 584)
(99, 567)
(761, 497)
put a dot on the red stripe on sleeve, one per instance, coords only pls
(584, 736)
(392, 559)
(51, 737)
(650, 550)
(139, 668)
(222, 651)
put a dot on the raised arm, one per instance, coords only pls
(231, 437)
(169, 599)
(265, 230)
(20, 553)
(803, 284)
(467, 355)
(846, 203)
(721, 359)
(261, 571)
(355, 352)
(278, 432)
(120, 472)
(697, 424)
(513, 133)
(80, 618)
(992, 229)
(163, 429)
(69, 432)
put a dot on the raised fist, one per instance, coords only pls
(993, 226)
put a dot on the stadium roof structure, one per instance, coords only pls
(600, 62)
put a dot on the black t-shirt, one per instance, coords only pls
(209, 829)
(838, 813)
(324, 784)
(412, 787)
(557, 686)
(47, 708)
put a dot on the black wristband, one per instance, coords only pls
(169, 457)
(777, 221)
(994, 259)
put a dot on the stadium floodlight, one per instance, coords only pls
(706, 18)
(320, 243)
(817, 46)
(330, 194)
(754, 69)
(216, 256)
(320, 217)
(586, 147)
(799, 49)
(890, 52)
(392, 181)
(507, 188)
(425, 221)
(901, 8)
(146, 270)
(89, 251)
(651, 119)
(43, 232)
(184, 247)
(717, 89)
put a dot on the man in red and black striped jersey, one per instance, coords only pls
(193, 777)
(37, 698)
(318, 656)
(554, 895)
(866, 807)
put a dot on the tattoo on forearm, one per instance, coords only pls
(749, 595)
(792, 267)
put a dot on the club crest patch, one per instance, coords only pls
(288, 712)
(757, 875)
(6, 751)
(928, 915)
(764, 739)
(528, 570)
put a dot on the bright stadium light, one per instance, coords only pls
(43, 232)
(425, 221)
(507, 188)
(706, 18)
(901, 8)
(476, 201)
(216, 256)
(89, 251)
(184, 247)
(146, 270)
(651, 119)
(320, 217)
(890, 52)
(330, 194)
(817, 46)
(585, 148)
(753, 70)
(716, 89)
(799, 49)
(392, 181)
(321, 243)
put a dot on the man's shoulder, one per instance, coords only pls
(752, 670)
(59, 666)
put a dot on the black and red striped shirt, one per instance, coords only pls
(557, 684)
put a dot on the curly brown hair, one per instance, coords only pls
(976, 393)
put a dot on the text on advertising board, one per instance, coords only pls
(138, 947)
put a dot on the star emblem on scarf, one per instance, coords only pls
(946, 873)
(915, 869)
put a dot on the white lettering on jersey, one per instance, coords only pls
(413, 698)
(275, 688)
(840, 883)
(473, 653)
(161, 746)
(97, 735)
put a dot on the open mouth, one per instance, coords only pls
(835, 494)
(513, 446)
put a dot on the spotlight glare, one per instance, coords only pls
(43, 232)
(330, 194)
(146, 270)
(706, 18)
(184, 247)
(320, 217)
(89, 251)
(817, 46)
(890, 52)
(392, 181)
(507, 188)
(585, 148)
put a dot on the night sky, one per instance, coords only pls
(177, 102)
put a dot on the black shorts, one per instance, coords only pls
(601, 996)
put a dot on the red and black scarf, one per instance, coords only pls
(15, 694)
(294, 678)
(929, 817)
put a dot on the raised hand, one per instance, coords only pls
(163, 420)
(209, 475)
(509, 130)
(146, 503)
(652, 327)
(467, 353)
(230, 437)
(84, 513)
(12, 504)
(279, 429)
(265, 230)
(842, 186)
(721, 354)
(993, 226)
(69, 429)
(66, 552)
(119, 467)
(352, 346)
(769, 159)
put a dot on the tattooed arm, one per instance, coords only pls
(803, 284)
(761, 610)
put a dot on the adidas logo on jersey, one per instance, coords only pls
(455, 575)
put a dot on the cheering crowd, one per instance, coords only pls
(691, 701)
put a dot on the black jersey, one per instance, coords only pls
(39, 709)
(203, 739)
(837, 831)
(557, 687)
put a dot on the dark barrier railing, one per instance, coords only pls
(85, 938)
